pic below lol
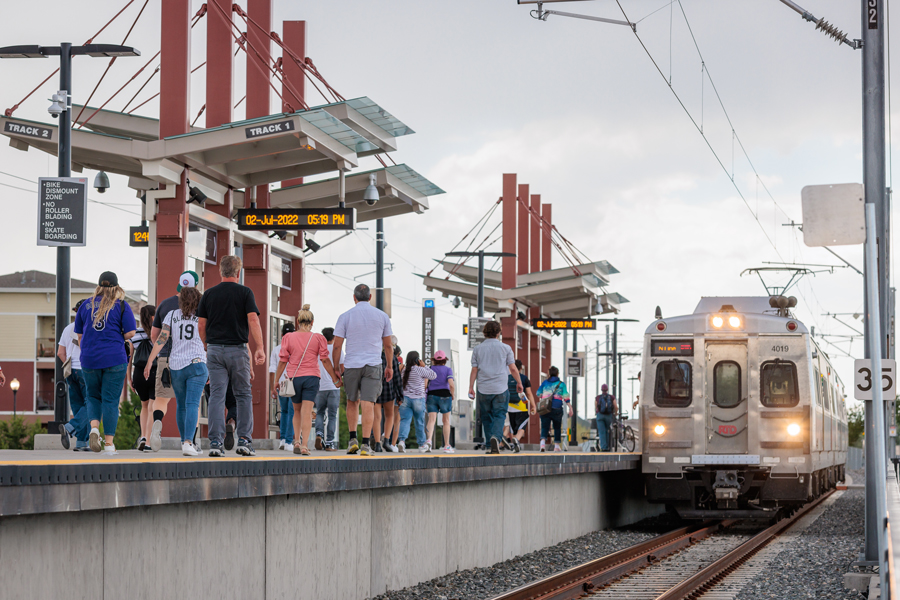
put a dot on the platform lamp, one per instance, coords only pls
(61, 107)
(14, 386)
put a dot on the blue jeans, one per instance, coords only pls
(603, 423)
(188, 384)
(330, 401)
(104, 388)
(554, 417)
(78, 424)
(492, 408)
(409, 408)
(287, 419)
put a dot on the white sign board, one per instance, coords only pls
(833, 215)
(863, 379)
(575, 362)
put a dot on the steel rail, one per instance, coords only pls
(708, 577)
(585, 578)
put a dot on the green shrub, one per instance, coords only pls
(856, 425)
(16, 434)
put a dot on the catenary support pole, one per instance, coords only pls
(379, 264)
(63, 255)
(481, 283)
(574, 427)
(874, 181)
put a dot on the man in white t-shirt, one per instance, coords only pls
(287, 406)
(327, 402)
(367, 331)
(78, 425)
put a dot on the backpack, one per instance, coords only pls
(142, 353)
(605, 404)
(513, 391)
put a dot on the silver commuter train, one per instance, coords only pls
(742, 414)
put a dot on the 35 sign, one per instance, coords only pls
(864, 379)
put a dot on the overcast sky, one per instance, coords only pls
(576, 108)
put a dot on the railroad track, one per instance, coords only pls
(684, 563)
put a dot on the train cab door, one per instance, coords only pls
(726, 394)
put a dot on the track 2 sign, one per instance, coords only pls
(863, 379)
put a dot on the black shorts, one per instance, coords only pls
(517, 421)
(145, 388)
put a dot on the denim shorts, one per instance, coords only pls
(438, 404)
(305, 388)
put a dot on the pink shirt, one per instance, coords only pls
(292, 346)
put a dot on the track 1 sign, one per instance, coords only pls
(62, 211)
(863, 379)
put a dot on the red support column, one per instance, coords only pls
(256, 256)
(294, 38)
(508, 263)
(547, 220)
(219, 64)
(174, 103)
(536, 236)
(522, 207)
(533, 370)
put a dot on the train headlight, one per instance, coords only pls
(659, 429)
(734, 322)
(793, 429)
(718, 321)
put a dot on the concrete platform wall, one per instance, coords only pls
(341, 545)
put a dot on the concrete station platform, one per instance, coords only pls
(325, 526)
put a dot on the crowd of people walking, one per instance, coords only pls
(193, 342)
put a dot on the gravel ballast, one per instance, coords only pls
(487, 582)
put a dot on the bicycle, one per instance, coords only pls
(621, 435)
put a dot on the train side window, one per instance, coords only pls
(727, 383)
(778, 384)
(673, 384)
(818, 389)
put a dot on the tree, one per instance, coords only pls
(16, 434)
(856, 425)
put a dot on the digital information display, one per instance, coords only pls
(564, 324)
(672, 348)
(294, 219)
(139, 237)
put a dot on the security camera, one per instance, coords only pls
(371, 193)
(58, 104)
(101, 182)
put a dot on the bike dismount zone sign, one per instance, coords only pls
(62, 211)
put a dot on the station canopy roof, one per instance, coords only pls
(559, 293)
(238, 155)
(401, 190)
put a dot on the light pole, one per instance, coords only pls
(65, 51)
(14, 386)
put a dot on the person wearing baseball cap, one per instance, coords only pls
(104, 323)
(78, 424)
(164, 391)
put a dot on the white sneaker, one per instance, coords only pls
(109, 450)
(282, 444)
(156, 436)
(449, 449)
(556, 448)
(388, 447)
(401, 446)
(95, 442)
(188, 449)
(289, 447)
(543, 446)
(197, 448)
(424, 448)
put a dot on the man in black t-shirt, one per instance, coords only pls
(164, 393)
(228, 318)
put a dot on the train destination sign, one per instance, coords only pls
(672, 348)
(62, 211)
(295, 219)
(139, 237)
(564, 324)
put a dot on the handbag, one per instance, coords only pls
(545, 404)
(286, 387)
(67, 367)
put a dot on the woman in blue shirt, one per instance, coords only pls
(556, 388)
(102, 324)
